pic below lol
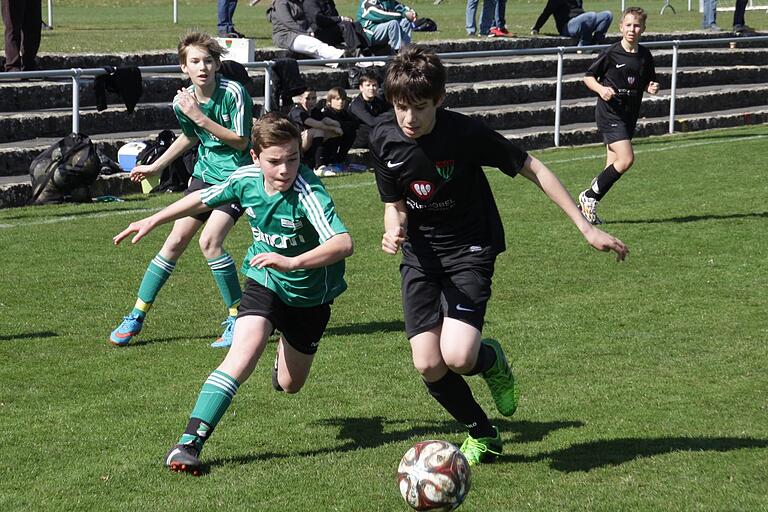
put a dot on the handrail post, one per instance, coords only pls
(76, 72)
(175, 11)
(558, 93)
(50, 13)
(268, 73)
(673, 86)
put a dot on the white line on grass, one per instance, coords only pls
(56, 220)
(640, 151)
(372, 182)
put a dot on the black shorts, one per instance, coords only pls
(461, 294)
(302, 328)
(234, 210)
(614, 127)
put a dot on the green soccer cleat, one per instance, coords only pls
(501, 381)
(484, 449)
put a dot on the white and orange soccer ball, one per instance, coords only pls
(433, 475)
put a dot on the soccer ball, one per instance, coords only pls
(433, 475)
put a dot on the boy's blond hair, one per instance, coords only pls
(203, 41)
(272, 129)
(638, 12)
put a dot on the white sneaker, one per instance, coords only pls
(588, 207)
(325, 170)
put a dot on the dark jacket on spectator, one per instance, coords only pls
(369, 113)
(563, 10)
(288, 20)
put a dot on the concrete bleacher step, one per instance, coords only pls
(716, 88)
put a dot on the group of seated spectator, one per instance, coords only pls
(316, 29)
(329, 130)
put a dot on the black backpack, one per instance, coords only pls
(65, 171)
(424, 25)
(175, 177)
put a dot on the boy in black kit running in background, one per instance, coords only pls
(440, 210)
(619, 76)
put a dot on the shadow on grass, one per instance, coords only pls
(169, 339)
(694, 218)
(362, 433)
(367, 328)
(28, 336)
(127, 205)
(614, 452)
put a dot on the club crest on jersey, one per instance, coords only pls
(445, 169)
(631, 80)
(423, 189)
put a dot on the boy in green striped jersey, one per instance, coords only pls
(218, 113)
(294, 270)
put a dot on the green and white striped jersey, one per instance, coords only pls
(231, 107)
(288, 223)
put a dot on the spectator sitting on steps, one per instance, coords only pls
(291, 30)
(572, 21)
(386, 22)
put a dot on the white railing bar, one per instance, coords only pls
(559, 93)
(673, 89)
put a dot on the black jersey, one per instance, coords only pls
(628, 74)
(449, 202)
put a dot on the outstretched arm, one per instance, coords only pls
(546, 180)
(188, 205)
(332, 250)
(175, 150)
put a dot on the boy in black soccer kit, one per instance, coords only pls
(440, 210)
(619, 76)
(294, 270)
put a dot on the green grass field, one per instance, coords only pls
(131, 25)
(643, 382)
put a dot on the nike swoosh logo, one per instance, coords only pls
(394, 165)
(459, 307)
(620, 66)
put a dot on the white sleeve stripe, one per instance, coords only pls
(237, 94)
(314, 209)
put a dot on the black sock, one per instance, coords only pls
(453, 393)
(603, 183)
(485, 359)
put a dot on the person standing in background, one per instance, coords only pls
(23, 23)
(226, 26)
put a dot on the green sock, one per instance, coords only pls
(225, 275)
(213, 401)
(158, 272)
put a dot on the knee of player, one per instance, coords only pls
(290, 386)
(210, 245)
(460, 362)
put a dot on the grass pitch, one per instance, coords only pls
(643, 383)
(137, 25)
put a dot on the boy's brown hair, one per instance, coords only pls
(201, 40)
(272, 129)
(369, 77)
(639, 12)
(415, 74)
(336, 93)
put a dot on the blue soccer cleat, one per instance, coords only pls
(225, 340)
(128, 328)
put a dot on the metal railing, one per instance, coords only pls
(76, 74)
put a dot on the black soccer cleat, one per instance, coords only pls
(183, 459)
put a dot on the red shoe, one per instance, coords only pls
(499, 32)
